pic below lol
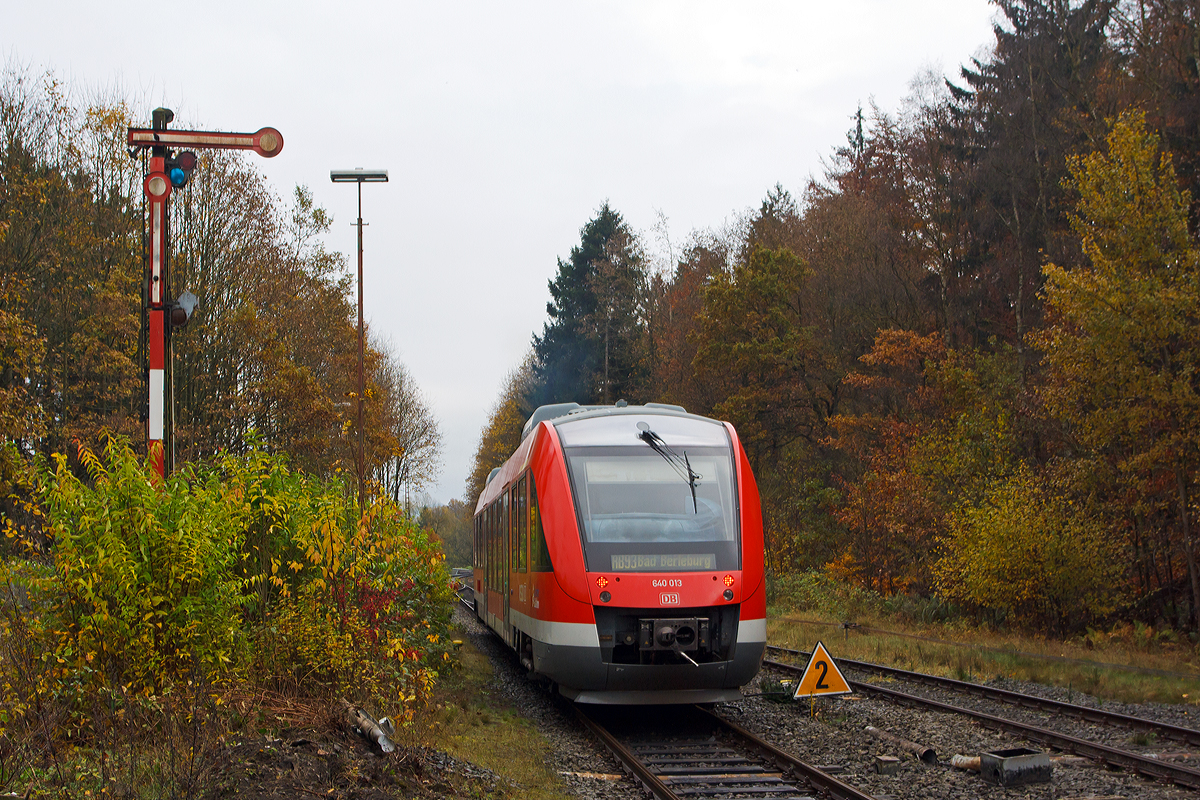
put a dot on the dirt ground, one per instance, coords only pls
(332, 761)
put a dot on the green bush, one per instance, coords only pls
(1027, 552)
(240, 571)
(818, 591)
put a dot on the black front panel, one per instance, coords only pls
(659, 636)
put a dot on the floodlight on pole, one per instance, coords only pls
(360, 176)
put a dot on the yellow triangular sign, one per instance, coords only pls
(822, 676)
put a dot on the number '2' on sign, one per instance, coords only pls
(822, 676)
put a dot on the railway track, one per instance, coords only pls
(1111, 756)
(695, 753)
(1176, 733)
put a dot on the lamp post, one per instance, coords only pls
(360, 176)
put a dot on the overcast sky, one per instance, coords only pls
(504, 126)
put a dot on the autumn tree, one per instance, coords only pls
(69, 271)
(453, 525)
(886, 507)
(409, 459)
(758, 340)
(502, 433)
(677, 328)
(268, 355)
(1017, 116)
(1123, 345)
(1026, 553)
(1158, 39)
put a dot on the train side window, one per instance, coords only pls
(514, 559)
(521, 515)
(505, 538)
(538, 553)
(491, 538)
(495, 546)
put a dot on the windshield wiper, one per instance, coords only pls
(682, 467)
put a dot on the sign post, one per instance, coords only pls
(821, 676)
(168, 170)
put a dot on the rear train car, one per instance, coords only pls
(619, 551)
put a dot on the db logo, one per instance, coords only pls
(668, 599)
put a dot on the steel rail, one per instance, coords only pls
(628, 760)
(819, 781)
(1150, 767)
(1174, 732)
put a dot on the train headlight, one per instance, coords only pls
(728, 594)
(605, 597)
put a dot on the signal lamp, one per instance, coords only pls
(180, 168)
(182, 308)
(157, 186)
(602, 581)
(729, 580)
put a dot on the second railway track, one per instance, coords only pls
(1177, 733)
(1112, 756)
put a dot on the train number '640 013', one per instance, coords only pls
(666, 582)
(669, 599)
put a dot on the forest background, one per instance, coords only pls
(964, 360)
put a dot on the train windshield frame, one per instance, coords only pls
(641, 510)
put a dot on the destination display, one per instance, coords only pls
(663, 562)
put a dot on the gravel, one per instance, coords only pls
(577, 753)
(835, 735)
(832, 733)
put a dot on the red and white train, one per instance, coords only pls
(619, 551)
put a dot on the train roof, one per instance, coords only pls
(558, 411)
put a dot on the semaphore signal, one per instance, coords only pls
(169, 170)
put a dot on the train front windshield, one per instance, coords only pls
(658, 497)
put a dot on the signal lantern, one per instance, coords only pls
(182, 308)
(180, 168)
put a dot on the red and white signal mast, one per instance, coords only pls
(170, 170)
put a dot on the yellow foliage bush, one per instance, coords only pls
(1026, 552)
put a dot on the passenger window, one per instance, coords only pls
(522, 523)
(505, 564)
(539, 554)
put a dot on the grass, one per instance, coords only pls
(791, 628)
(471, 721)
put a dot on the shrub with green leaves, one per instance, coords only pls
(240, 571)
(144, 588)
(1026, 551)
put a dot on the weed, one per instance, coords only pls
(1143, 738)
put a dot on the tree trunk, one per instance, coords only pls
(1181, 478)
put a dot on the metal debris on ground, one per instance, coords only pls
(366, 726)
